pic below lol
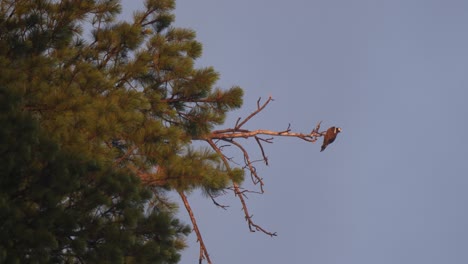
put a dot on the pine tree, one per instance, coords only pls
(108, 110)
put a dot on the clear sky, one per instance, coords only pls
(394, 76)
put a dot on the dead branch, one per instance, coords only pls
(230, 134)
(240, 195)
(203, 251)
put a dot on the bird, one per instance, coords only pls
(330, 136)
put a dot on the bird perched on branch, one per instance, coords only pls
(330, 136)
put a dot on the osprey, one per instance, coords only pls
(330, 136)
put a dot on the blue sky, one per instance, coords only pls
(394, 75)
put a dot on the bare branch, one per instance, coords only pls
(203, 251)
(252, 226)
(228, 130)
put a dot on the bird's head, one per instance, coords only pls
(337, 130)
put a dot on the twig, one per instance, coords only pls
(216, 203)
(316, 129)
(261, 149)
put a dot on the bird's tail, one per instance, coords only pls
(323, 148)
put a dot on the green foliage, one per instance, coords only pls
(86, 115)
(58, 207)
